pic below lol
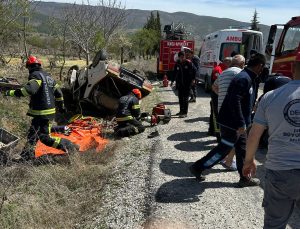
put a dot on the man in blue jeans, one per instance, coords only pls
(234, 118)
(279, 111)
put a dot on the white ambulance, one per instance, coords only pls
(220, 44)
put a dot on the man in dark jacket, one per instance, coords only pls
(234, 118)
(196, 62)
(128, 113)
(184, 72)
(45, 95)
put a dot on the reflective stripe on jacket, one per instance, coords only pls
(44, 93)
(126, 118)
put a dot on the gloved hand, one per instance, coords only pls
(6, 93)
(144, 114)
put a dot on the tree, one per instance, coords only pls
(82, 21)
(148, 39)
(120, 45)
(144, 41)
(59, 33)
(255, 22)
(150, 24)
(11, 12)
(113, 17)
(158, 24)
(89, 26)
(158, 32)
(26, 15)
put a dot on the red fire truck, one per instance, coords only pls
(167, 51)
(282, 46)
(174, 40)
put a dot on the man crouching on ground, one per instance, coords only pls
(127, 114)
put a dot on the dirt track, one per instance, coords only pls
(151, 182)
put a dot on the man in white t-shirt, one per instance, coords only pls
(220, 87)
(222, 83)
(279, 111)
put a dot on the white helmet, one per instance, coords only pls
(185, 49)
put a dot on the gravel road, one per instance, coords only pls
(151, 187)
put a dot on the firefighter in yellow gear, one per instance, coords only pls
(128, 113)
(45, 95)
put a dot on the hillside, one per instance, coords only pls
(199, 26)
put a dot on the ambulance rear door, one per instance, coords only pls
(230, 42)
(252, 42)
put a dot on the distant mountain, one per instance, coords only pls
(198, 26)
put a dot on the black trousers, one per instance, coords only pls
(130, 127)
(229, 140)
(213, 126)
(38, 130)
(193, 91)
(183, 96)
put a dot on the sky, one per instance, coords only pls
(269, 11)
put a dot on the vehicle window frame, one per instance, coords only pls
(292, 40)
(221, 58)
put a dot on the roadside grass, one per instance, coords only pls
(45, 61)
(150, 101)
(64, 193)
(54, 195)
(17, 69)
(145, 67)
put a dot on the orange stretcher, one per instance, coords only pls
(84, 131)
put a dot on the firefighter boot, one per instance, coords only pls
(126, 131)
(28, 153)
(67, 146)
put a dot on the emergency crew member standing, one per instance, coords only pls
(196, 62)
(184, 72)
(127, 114)
(278, 111)
(44, 94)
(216, 72)
(234, 118)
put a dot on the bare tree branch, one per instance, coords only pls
(11, 11)
(85, 22)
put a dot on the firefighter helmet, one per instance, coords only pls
(137, 93)
(33, 60)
